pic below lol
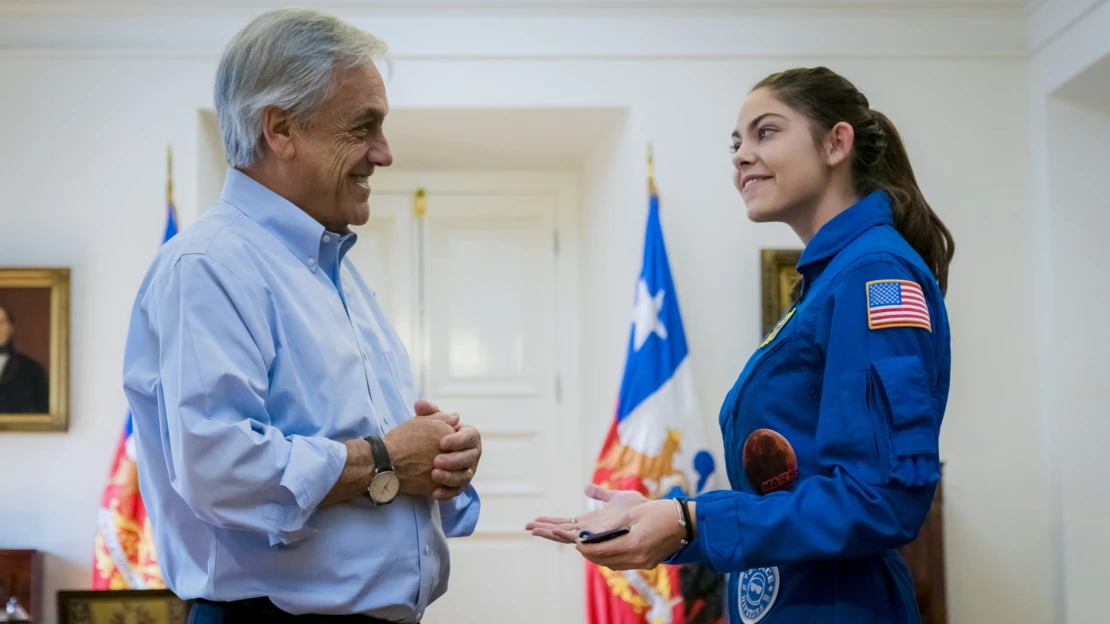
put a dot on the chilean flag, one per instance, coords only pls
(123, 555)
(656, 445)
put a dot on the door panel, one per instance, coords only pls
(472, 289)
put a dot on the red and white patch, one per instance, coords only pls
(897, 303)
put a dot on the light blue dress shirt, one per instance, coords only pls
(254, 351)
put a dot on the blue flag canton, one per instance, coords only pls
(171, 223)
(651, 362)
(885, 294)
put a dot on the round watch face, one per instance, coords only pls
(384, 487)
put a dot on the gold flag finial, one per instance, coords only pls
(651, 170)
(420, 204)
(169, 174)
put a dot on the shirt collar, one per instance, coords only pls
(333, 248)
(845, 227)
(300, 233)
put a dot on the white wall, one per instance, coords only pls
(1079, 153)
(1071, 58)
(81, 185)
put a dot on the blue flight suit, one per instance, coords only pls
(856, 381)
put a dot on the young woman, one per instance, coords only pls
(831, 429)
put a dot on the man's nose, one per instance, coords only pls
(380, 155)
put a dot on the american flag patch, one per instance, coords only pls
(896, 303)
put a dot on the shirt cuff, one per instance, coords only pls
(460, 514)
(690, 553)
(314, 466)
(718, 537)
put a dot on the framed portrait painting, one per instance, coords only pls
(34, 349)
(779, 278)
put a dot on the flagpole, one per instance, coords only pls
(169, 175)
(651, 171)
(419, 210)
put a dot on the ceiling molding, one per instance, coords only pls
(121, 8)
(1073, 50)
(549, 37)
(1050, 19)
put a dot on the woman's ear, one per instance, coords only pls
(277, 129)
(838, 143)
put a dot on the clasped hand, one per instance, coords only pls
(654, 535)
(434, 454)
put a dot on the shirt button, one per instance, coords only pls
(325, 238)
(312, 262)
(427, 550)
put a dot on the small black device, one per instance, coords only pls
(604, 536)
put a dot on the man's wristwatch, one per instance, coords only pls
(385, 484)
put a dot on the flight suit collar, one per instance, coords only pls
(844, 228)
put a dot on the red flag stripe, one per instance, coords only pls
(913, 311)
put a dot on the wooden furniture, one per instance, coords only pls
(148, 606)
(21, 576)
(925, 558)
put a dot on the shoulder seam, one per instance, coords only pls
(868, 259)
(242, 281)
(206, 256)
(212, 241)
(874, 257)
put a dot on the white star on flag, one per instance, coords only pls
(646, 319)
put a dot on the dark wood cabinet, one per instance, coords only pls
(21, 576)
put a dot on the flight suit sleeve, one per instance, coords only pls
(876, 442)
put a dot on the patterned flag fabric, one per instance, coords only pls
(896, 303)
(656, 446)
(123, 555)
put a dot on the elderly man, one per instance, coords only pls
(288, 468)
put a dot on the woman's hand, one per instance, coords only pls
(655, 536)
(613, 515)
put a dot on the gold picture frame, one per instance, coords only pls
(35, 330)
(779, 277)
(143, 606)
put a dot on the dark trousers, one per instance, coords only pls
(261, 610)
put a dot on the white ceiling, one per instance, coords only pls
(533, 29)
(131, 7)
(498, 138)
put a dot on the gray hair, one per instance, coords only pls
(287, 59)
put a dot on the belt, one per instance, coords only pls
(264, 607)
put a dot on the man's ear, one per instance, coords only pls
(277, 129)
(838, 143)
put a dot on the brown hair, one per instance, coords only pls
(879, 159)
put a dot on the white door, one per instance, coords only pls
(486, 303)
